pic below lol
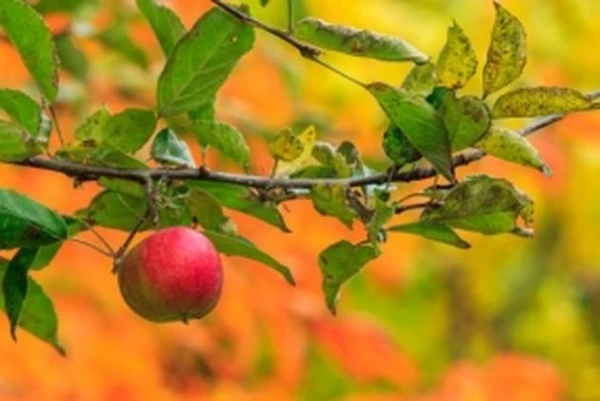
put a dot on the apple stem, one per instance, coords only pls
(123, 248)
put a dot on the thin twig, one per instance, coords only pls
(291, 17)
(56, 124)
(118, 259)
(414, 206)
(93, 246)
(103, 240)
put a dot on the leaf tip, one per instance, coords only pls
(546, 170)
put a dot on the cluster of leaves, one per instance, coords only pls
(429, 119)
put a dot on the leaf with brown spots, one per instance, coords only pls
(507, 54)
(457, 62)
(540, 101)
(466, 118)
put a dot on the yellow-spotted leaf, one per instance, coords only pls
(508, 145)
(421, 80)
(457, 62)
(306, 141)
(540, 101)
(507, 54)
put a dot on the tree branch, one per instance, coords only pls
(83, 172)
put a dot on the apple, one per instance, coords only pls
(174, 274)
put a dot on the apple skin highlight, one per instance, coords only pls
(174, 274)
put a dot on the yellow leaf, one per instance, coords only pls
(289, 165)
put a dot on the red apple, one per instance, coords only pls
(174, 274)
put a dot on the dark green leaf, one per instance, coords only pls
(507, 54)
(207, 210)
(330, 200)
(22, 109)
(356, 42)
(201, 61)
(37, 315)
(16, 144)
(236, 246)
(14, 285)
(421, 79)
(338, 264)
(26, 223)
(457, 62)
(46, 253)
(27, 31)
(166, 25)
(123, 186)
(224, 137)
(482, 204)
(541, 101)
(432, 231)
(117, 38)
(420, 123)
(509, 145)
(467, 119)
(398, 148)
(72, 59)
(130, 130)
(168, 149)
(241, 199)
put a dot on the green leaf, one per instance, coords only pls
(122, 212)
(382, 213)
(338, 263)
(201, 61)
(130, 130)
(432, 231)
(457, 62)
(482, 204)
(22, 109)
(330, 200)
(37, 314)
(116, 37)
(506, 144)
(14, 285)
(104, 154)
(72, 59)
(166, 25)
(335, 163)
(126, 187)
(237, 246)
(241, 199)
(398, 148)
(421, 79)
(225, 138)
(507, 54)
(168, 149)
(26, 223)
(541, 101)
(94, 126)
(356, 42)
(16, 144)
(466, 118)
(27, 31)
(420, 123)
(208, 212)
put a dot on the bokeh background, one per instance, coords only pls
(510, 319)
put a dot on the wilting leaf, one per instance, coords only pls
(286, 146)
(26, 223)
(237, 246)
(421, 79)
(201, 61)
(71, 58)
(37, 314)
(432, 231)
(457, 62)
(306, 141)
(338, 264)
(27, 31)
(94, 126)
(167, 148)
(541, 101)
(509, 145)
(356, 42)
(334, 163)
(225, 138)
(166, 25)
(482, 204)
(419, 121)
(21, 109)
(241, 199)
(507, 54)
(330, 200)
(467, 119)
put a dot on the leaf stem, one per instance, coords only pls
(93, 246)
